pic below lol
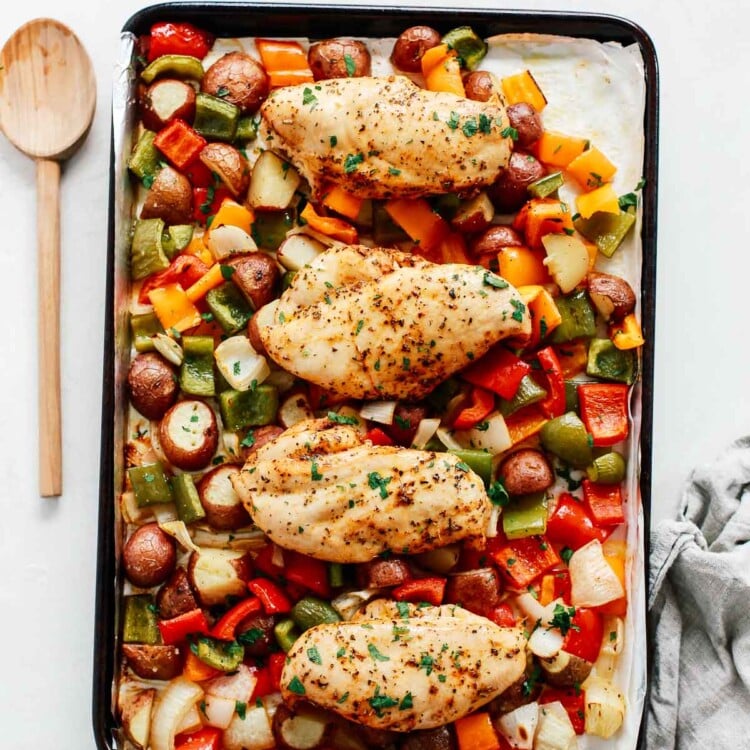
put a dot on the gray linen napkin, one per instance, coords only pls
(699, 604)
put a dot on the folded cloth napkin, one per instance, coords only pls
(699, 602)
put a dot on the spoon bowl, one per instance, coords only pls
(47, 104)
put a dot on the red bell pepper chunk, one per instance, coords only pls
(275, 667)
(554, 404)
(502, 615)
(307, 572)
(180, 627)
(499, 371)
(184, 270)
(264, 562)
(179, 143)
(263, 683)
(573, 701)
(429, 589)
(207, 201)
(604, 411)
(482, 403)
(571, 525)
(178, 39)
(561, 585)
(274, 600)
(604, 502)
(225, 628)
(200, 175)
(524, 560)
(377, 437)
(208, 738)
(584, 638)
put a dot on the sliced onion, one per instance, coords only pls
(156, 443)
(231, 441)
(545, 642)
(238, 686)
(425, 430)
(323, 239)
(179, 531)
(519, 726)
(605, 707)
(164, 512)
(250, 538)
(534, 611)
(219, 711)
(555, 731)
(251, 733)
(379, 411)
(173, 706)
(348, 603)
(298, 251)
(191, 722)
(447, 439)
(294, 409)
(494, 439)
(613, 644)
(494, 522)
(271, 702)
(240, 364)
(281, 380)
(592, 580)
(228, 240)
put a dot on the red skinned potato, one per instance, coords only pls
(440, 738)
(612, 296)
(215, 574)
(170, 198)
(166, 99)
(260, 436)
(411, 45)
(481, 85)
(338, 58)
(239, 79)
(153, 662)
(475, 590)
(527, 122)
(378, 573)
(257, 276)
(149, 556)
(230, 165)
(188, 435)
(224, 509)
(494, 239)
(152, 384)
(175, 597)
(509, 192)
(526, 471)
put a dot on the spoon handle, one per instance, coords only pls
(48, 239)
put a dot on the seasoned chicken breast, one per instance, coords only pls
(404, 673)
(385, 137)
(376, 323)
(325, 492)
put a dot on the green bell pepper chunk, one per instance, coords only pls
(144, 158)
(335, 575)
(435, 445)
(480, 462)
(525, 516)
(147, 255)
(252, 408)
(529, 392)
(150, 484)
(546, 186)
(287, 279)
(229, 307)
(311, 611)
(186, 499)
(270, 227)
(606, 230)
(608, 468)
(197, 369)
(139, 620)
(469, 46)
(215, 118)
(179, 66)
(567, 438)
(143, 328)
(578, 319)
(225, 656)
(441, 396)
(286, 633)
(608, 362)
(385, 230)
(246, 129)
(447, 205)
(176, 239)
(571, 396)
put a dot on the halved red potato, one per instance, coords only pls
(188, 435)
(156, 662)
(175, 597)
(216, 574)
(149, 556)
(224, 509)
(165, 100)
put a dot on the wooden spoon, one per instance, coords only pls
(47, 103)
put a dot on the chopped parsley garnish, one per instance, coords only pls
(595, 180)
(404, 424)
(406, 702)
(485, 123)
(250, 637)
(360, 326)
(377, 365)
(627, 200)
(405, 363)
(333, 140)
(566, 553)
(426, 662)
(205, 207)
(343, 698)
(342, 418)
(314, 655)
(562, 617)
(226, 272)
(403, 610)
(240, 707)
(463, 466)
(315, 475)
(147, 180)
(341, 652)
(393, 171)
(483, 426)
(518, 310)
(379, 701)
(511, 562)
(641, 184)
(497, 493)
(442, 678)
(248, 441)
(452, 121)
(509, 132)
(351, 68)
(613, 635)
(352, 161)
(470, 127)
(564, 473)
(207, 317)
(308, 97)
(378, 482)
(222, 91)
(495, 281)
(236, 368)
(375, 654)
(295, 686)
(530, 682)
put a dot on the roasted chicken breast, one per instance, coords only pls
(385, 137)
(321, 490)
(404, 673)
(375, 323)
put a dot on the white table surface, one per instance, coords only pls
(48, 547)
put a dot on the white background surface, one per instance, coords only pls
(48, 547)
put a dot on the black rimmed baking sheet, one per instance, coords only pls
(287, 20)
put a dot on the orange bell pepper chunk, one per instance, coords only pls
(475, 732)
(615, 553)
(210, 280)
(233, 214)
(546, 216)
(346, 204)
(523, 87)
(195, 670)
(284, 61)
(627, 334)
(329, 225)
(591, 169)
(602, 199)
(442, 70)
(453, 249)
(521, 266)
(573, 358)
(174, 308)
(558, 149)
(416, 217)
(525, 423)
